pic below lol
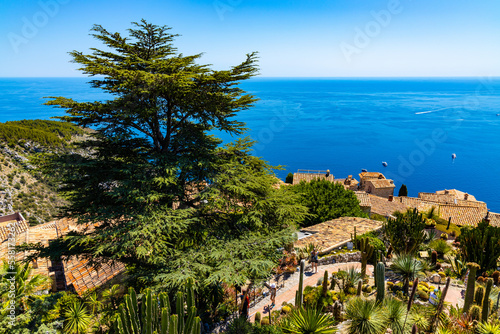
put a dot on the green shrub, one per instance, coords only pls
(265, 321)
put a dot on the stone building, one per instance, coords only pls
(376, 184)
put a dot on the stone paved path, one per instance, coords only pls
(287, 293)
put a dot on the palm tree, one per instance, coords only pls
(96, 306)
(408, 267)
(26, 284)
(308, 321)
(77, 319)
(366, 317)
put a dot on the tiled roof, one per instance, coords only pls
(19, 226)
(364, 199)
(456, 194)
(308, 177)
(462, 215)
(495, 219)
(334, 233)
(439, 198)
(371, 175)
(382, 206)
(82, 277)
(75, 271)
(384, 183)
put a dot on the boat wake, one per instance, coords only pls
(430, 111)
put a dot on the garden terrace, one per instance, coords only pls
(337, 232)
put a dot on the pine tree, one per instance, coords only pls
(158, 190)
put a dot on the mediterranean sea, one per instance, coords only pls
(345, 125)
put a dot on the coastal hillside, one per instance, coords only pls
(22, 188)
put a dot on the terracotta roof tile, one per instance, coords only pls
(381, 183)
(336, 232)
(382, 206)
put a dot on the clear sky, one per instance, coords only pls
(306, 38)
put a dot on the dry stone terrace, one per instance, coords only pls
(337, 232)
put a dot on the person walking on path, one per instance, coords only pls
(314, 260)
(246, 305)
(273, 294)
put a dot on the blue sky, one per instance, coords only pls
(321, 38)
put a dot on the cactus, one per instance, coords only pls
(434, 256)
(496, 277)
(325, 283)
(440, 305)
(380, 279)
(257, 318)
(478, 296)
(337, 310)
(366, 253)
(360, 287)
(475, 312)
(486, 301)
(299, 295)
(471, 284)
(155, 314)
(333, 282)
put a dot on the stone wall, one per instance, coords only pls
(341, 258)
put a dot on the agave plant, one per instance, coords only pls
(350, 277)
(308, 321)
(408, 267)
(396, 314)
(77, 319)
(366, 317)
(487, 328)
(430, 236)
(458, 266)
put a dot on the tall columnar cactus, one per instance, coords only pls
(325, 283)
(366, 253)
(380, 279)
(337, 310)
(440, 305)
(486, 301)
(478, 295)
(434, 256)
(360, 288)
(471, 284)
(154, 314)
(299, 294)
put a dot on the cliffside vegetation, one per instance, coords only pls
(22, 187)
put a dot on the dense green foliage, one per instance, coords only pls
(43, 132)
(289, 178)
(165, 198)
(327, 200)
(406, 231)
(481, 245)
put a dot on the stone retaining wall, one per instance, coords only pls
(340, 258)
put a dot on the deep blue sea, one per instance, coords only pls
(345, 125)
